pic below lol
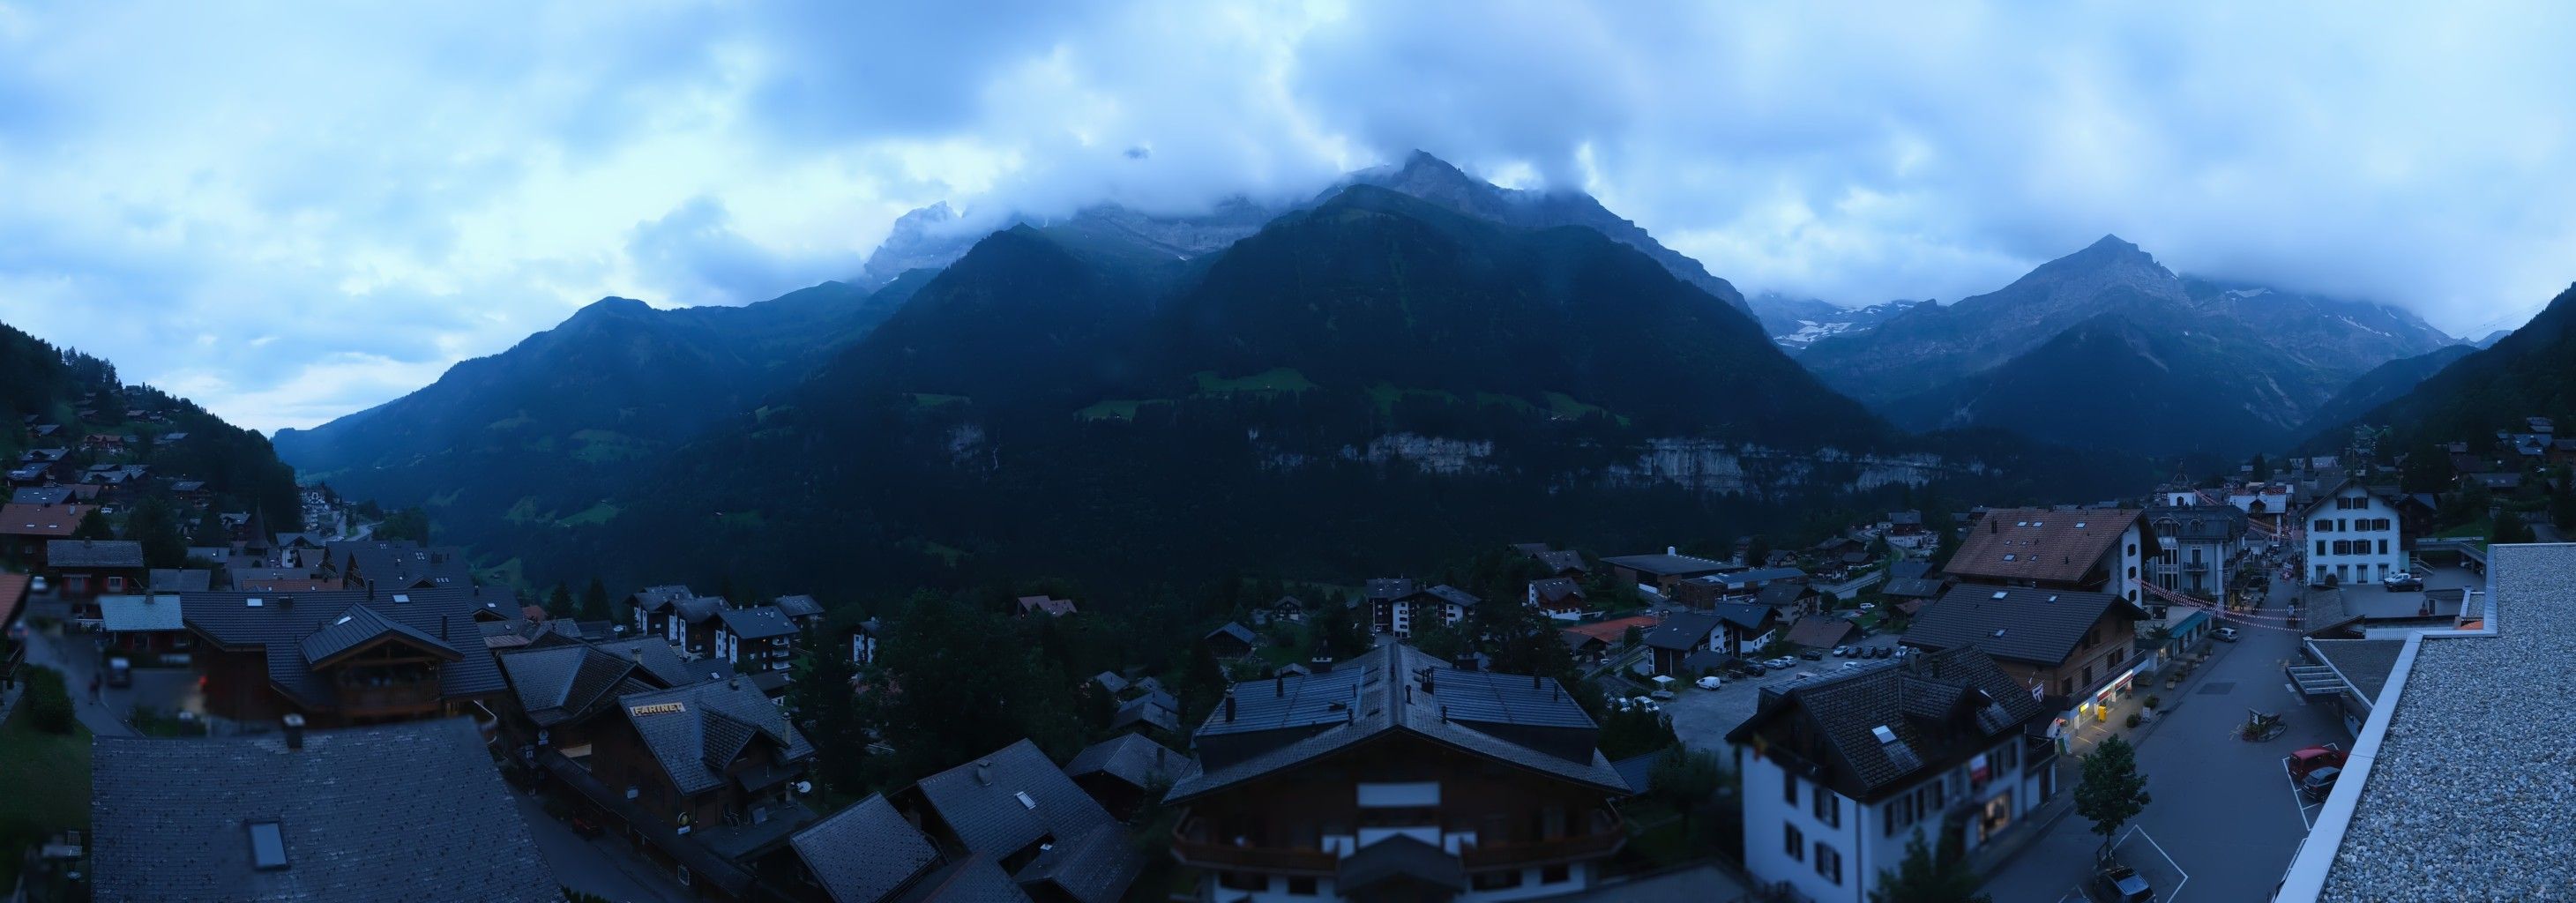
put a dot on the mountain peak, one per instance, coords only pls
(613, 305)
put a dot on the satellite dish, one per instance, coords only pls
(804, 786)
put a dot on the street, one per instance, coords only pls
(2224, 820)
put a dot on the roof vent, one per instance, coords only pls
(1025, 799)
(2008, 556)
(1883, 734)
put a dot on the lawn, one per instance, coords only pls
(48, 780)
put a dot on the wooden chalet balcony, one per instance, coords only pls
(1194, 842)
(1607, 832)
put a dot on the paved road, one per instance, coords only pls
(2225, 820)
(602, 865)
(76, 655)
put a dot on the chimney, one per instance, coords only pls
(1279, 685)
(442, 627)
(1426, 682)
(1672, 550)
(984, 773)
(294, 731)
(1535, 680)
(1229, 706)
(1992, 526)
(371, 591)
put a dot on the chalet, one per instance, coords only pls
(147, 627)
(2197, 545)
(1681, 634)
(26, 529)
(717, 759)
(1558, 596)
(1393, 776)
(340, 657)
(40, 495)
(693, 624)
(651, 608)
(1559, 563)
(1743, 629)
(1154, 708)
(1791, 600)
(2095, 551)
(561, 688)
(180, 580)
(1903, 523)
(1840, 772)
(755, 640)
(1909, 594)
(1599, 637)
(310, 815)
(1017, 810)
(2356, 535)
(1660, 573)
(395, 565)
(1046, 605)
(87, 568)
(802, 611)
(1121, 771)
(1396, 604)
(862, 641)
(1230, 640)
(191, 491)
(2073, 648)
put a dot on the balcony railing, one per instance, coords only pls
(1608, 832)
(1194, 842)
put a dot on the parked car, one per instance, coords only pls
(1664, 694)
(2226, 634)
(2402, 581)
(2315, 757)
(36, 584)
(2319, 783)
(1812, 655)
(1710, 682)
(2121, 884)
(1842, 651)
(120, 672)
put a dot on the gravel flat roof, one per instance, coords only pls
(2471, 790)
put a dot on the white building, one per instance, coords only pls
(1839, 772)
(2354, 536)
(2196, 544)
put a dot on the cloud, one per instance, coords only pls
(289, 213)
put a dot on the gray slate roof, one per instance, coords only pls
(1942, 707)
(181, 580)
(2038, 626)
(1093, 867)
(2197, 523)
(1666, 565)
(561, 684)
(145, 613)
(664, 663)
(717, 721)
(799, 606)
(1128, 757)
(657, 598)
(865, 852)
(973, 879)
(401, 812)
(1783, 595)
(1563, 561)
(93, 553)
(359, 625)
(1683, 631)
(1747, 616)
(39, 495)
(280, 626)
(1391, 588)
(1236, 631)
(1364, 698)
(759, 623)
(401, 563)
(979, 801)
(1911, 588)
(1454, 596)
(697, 609)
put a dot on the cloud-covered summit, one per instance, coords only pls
(290, 213)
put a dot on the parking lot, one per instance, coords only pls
(1701, 718)
(2140, 852)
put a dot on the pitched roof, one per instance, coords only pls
(698, 609)
(280, 623)
(1236, 631)
(1747, 616)
(759, 623)
(39, 495)
(2032, 626)
(658, 598)
(799, 606)
(94, 553)
(1095, 866)
(1666, 565)
(972, 879)
(863, 853)
(1939, 709)
(1783, 595)
(180, 580)
(1819, 632)
(664, 663)
(404, 564)
(999, 804)
(565, 684)
(2197, 523)
(712, 722)
(2039, 544)
(1109, 680)
(1612, 630)
(1156, 708)
(359, 626)
(139, 613)
(1682, 631)
(1912, 567)
(1274, 726)
(411, 811)
(1911, 588)
(1131, 758)
(1048, 604)
(1454, 596)
(1560, 562)
(1552, 589)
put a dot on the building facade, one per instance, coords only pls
(2354, 536)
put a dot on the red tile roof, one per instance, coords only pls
(2039, 544)
(53, 521)
(1613, 630)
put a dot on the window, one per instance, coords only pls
(2324, 525)
(1795, 841)
(684, 875)
(1242, 881)
(2066, 685)
(2321, 547)
(115, 584)
(2343, 547)
(1829, 808)
(1788, 785)
(1496, 880)
(1829, 863)
(1556, 874)
(1301, 885)
(2383, 548)
(2088, 675)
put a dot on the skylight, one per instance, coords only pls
(252, 602)
(1884, 735)
(343, 620)
(267, 845)
(2000, 594)
(1999, 631)
(400, 598)
(1025, 799)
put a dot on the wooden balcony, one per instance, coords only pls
(1194, 843)
(361, 700)
(1605, 833)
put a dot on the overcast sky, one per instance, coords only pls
(295, 212)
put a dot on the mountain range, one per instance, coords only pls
(1409, 364)
(2180, 365)
(2529, 372)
